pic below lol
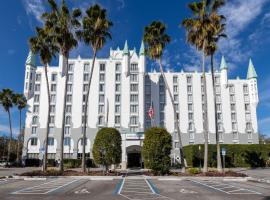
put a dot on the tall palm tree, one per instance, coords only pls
(156, 39)
(43, 45)
(196, 28)
(215, 33)
(95, 33)
(6, 100)
(20, 101)
(62, 22)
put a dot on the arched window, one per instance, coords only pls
(100, 120)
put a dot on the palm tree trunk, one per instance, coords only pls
(66, 56)
(18, 142)
(205, 111)
(219, 168)
(85, 111)
(48, 120)
(10, 139)
(176, 122)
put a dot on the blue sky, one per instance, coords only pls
(248, 30)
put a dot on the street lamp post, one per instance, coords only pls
(223, 152)
(200, 157)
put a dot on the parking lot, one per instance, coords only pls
(131, 188)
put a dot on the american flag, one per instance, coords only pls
(151, 111)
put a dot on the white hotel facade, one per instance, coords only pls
(120, 96)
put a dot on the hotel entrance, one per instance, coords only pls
(134, 157)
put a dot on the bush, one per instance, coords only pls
(107, 148)
(237, 155)
(156, 150)
(194, 171)
(72, 163)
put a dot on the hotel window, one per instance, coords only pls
(245, 89)
(202, 88)
(176, 106)
(248, 126)
(233, 116)
(85, 87)
(117, 109)
(34, 141)
(175, 79)
(190, 116)
(133, 120)
(235, 135)
(27, 75)
(134, 87)
(189, 88)
(234, 126)
(51, 141)
(175, 88)
(54, 77)
(161, 88)
(117, 87)
(101, 109)
(83, 108)
(190, 107)
(37, 87)
(70, 67)
(101, 98)
(69, 88)
(246, 98)
(189, 79)
(219, 116)
(38, 77)
(53, 98)
(118, 67)
(231, 88)
(67, 130)
(161, 116)
(249, 135)
(117, 77)
(162, 98)
(101, 77)
(51, 119)
(176, 97)
(68, 120)
(233, 107)
(219, 127)
(100, 120)
(36, 109)
(101, 87)
(26, 85)
(134, 108)
(217, 80)
(68, 108)
(31, 76)
(86, 67)
(232, 98)
(117, 119)
(52, 108)
(218, 107)
(69, 98)
(134, 98)
(30, 86)
(162, 106)
(34, 130)
(102, 67)
(36, 98)
(35, 120)
(117, 98)
(247, 107)
(53, 87)
(70, 77)
(67, 141)
(203, 98)
(134, 77)
(218, 98)
(248, 117)
(134, 67)
(189, 98)
(86, 77)
(190, 126)
(217, 89)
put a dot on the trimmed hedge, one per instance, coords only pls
(237, 155)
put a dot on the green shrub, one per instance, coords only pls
(156, 150)
(107, 148)
(237, 155)
(193, 170)
(72, 163)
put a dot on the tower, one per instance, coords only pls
(224, 72)
(30, 72)
(126, 59)
(253, 89)
(142, 58)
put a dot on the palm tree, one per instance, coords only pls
(196, 28)
(61, 22)
(6, 97)
(95, 32)
(215, 32)
(20, 101)
(43, 45)
(156, 39)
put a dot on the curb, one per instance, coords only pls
(257, 180)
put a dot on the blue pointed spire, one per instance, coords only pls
(251, 71)
(126, 51)
(223, 64)
(142, 49)
(31, 59)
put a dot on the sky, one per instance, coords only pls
(248, 30)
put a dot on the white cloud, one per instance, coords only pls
(35, 8)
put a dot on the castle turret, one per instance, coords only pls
(30, 72)
(224, 72)
(142, 59)
(253, 89)
(126, 59)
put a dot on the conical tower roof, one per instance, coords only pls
(142, 49)
(126, 51)
(223, 64)
(251, 71)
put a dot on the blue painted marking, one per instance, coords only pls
(118, 186)
(152, 186)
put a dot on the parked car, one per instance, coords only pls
(4, 163)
